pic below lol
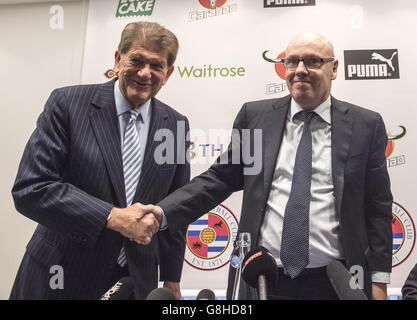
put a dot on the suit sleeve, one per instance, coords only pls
(210, 188)
(378, 203)
(409, 290)
(41, 191)
(172, 245)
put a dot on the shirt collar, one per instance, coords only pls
(123, 106)
(323, 110)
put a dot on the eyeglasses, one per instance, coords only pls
(309, 63)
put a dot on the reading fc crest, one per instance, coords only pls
(210, 239)
(403, 234)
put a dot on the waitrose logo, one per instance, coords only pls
(210, 71)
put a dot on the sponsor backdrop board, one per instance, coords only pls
(220, 66)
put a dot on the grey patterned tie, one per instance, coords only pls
(295, 231)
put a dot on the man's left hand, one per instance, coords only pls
(379, 291)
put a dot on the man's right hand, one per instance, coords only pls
(134, 223)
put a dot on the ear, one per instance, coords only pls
(116, 61)
(335, 66)
(169, 72)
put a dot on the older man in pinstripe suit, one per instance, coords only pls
(72, 179)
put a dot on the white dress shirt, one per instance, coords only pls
(324, 245)
(143, 120)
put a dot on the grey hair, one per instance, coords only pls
(149, 31)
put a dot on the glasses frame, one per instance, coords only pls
(322, 62)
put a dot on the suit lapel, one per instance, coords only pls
(274, 126)
(106, 129)
(159, 119)
(341, 140)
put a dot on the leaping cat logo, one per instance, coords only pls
(377, 56)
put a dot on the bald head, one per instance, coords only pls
(315, 40)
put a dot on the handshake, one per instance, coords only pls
(137, 222)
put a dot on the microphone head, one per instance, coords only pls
(121, 290)
(206, 294)
(340, 278)
(160, 294)
(259, 261)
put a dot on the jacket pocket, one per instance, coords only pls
(43, 251)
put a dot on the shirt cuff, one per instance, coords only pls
(164, 223)
(110, 215)
(381, 277)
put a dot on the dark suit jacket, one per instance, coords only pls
(70, 177)
(409, 290)
(361, 181)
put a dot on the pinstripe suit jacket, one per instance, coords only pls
(70, 177)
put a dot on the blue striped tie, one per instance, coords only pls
(132, 166)
(132, 157)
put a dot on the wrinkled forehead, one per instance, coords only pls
(310, 45)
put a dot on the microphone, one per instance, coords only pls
(121, 290)
(259, 268)
(160, 294)
(340, 278)
(206, 294)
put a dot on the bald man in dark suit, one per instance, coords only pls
(344, 209)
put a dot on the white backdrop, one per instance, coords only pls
(232, 38)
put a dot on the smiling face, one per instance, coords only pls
(142, 71)
(310, 87)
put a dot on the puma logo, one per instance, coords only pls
(372, 64)
(377, 56)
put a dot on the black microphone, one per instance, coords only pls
(160, 294)
(206, 294)
(340, 278)
(259, 269)
(121, 290)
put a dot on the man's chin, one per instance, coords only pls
(137, 100)
(138, 93)
(301, 97)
